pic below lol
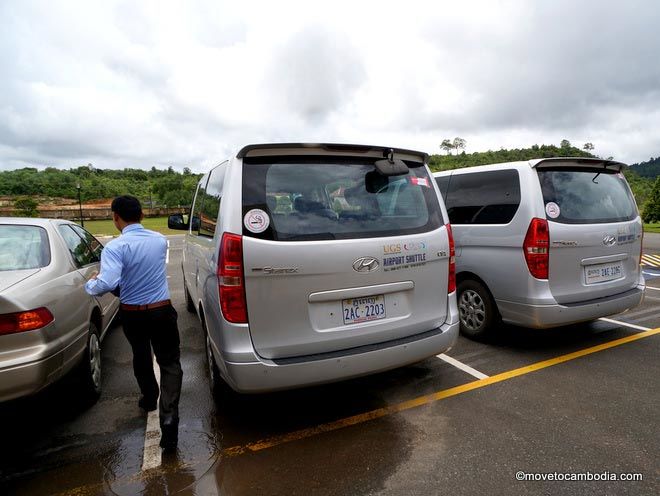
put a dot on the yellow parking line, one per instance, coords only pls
(427, 399)
(653, 261)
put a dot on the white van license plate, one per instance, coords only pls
(363, 309)
(603, 272)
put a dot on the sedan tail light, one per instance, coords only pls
(30, 320)
(230, 279)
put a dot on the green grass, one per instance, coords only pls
(652, 228)
(107, 227)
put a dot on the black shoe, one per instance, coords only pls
(169, 428)
(148, 405)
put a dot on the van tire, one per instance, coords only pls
(476, 308)
(89, 370)
(215, 381)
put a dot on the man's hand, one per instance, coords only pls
(94, 276)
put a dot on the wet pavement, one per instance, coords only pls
(554, 401)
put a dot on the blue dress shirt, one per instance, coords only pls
(135, 261)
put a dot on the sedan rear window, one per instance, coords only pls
(23, 247)
(323, 200)
(586, 196)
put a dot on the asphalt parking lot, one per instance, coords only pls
(580, 401)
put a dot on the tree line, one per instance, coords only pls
(156, 187)
(153, 187)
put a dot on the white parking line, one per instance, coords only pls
(462, 366)
(651, 287)
(151, 457)
(625, 324)
(167, 253)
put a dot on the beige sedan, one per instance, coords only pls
(49, 326)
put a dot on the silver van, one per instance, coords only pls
(312, 263)
(543, 243)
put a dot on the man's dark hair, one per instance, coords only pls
(128, 208)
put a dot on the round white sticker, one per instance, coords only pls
(256, 220)
(552, 209)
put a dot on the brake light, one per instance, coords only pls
(11, 323)
(451, 285)
(230, 279)
(537, 248)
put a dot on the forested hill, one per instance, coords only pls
(455, 161)
(650, 168)
(166, 187)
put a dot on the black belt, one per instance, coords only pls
(148, 306)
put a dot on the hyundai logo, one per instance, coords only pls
(609, 240)
(366, 264)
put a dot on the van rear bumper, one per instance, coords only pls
(261, 376)
(544, 316)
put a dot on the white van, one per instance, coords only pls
(311, 263)
(543, 243)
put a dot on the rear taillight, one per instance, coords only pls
(451, 285)
(25, 321)
(230, 279)
(537, 248)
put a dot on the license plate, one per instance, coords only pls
(603, 272)
(363, 309)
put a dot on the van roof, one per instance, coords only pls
(541, 162)
(336, 149)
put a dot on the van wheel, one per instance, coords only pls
(190, 305)
(215, 381)
(89, 370)
(476, 309)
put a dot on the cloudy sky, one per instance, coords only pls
(186, 83)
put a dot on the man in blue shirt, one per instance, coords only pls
(134, 263)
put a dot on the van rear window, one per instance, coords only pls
(586, 196)
(318, 199)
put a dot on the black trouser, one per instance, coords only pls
(156, 328)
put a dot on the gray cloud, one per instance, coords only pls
(313, 74)
(125, 84)
(557, 68)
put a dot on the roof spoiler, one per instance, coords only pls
(580, 161)
(336, 149)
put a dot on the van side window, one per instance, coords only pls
(483, 197)
(197, 206)
(443, 184)
(210, 198)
